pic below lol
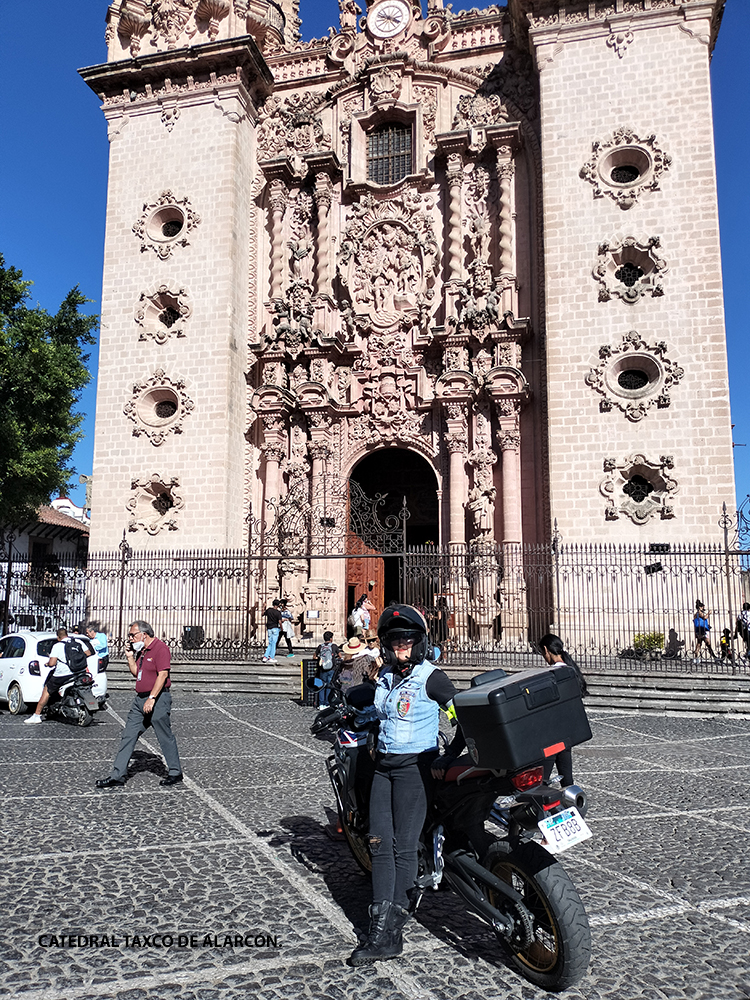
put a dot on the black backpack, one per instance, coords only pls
(75, 657)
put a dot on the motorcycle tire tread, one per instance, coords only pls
(546, 877)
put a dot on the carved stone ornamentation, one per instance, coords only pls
(154, 504)
(427, 98)
(163, 311)
(634, 375)
(627, 268)
(165, 224)
(479, 109)
(619, 40)
(624, 166)
(158, 407)
(389, 260)
(170, 18)
(291, 127)
(638, 488)
(385, 85)
(389, 413)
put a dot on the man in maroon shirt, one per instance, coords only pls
(149, 662)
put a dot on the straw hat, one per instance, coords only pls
(353, 647)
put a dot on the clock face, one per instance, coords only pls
(388, 18)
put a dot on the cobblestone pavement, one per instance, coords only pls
(240, 849)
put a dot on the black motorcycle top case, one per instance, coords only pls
(523, 719)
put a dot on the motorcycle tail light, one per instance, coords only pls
(530, 778)
(34, 668)
(101, 665)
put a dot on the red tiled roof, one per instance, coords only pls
(48, 515)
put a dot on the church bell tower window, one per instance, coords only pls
(389, 153)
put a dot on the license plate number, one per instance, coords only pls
(563, 830)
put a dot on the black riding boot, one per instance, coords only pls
(398, 918)
(379, 943)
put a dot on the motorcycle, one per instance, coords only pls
(75, 702)
(513, 881)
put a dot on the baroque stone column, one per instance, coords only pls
(509, 439)
(274, 450)
(279, 196)
(456, 441)
(323, 196)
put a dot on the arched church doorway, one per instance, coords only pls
(404, 478)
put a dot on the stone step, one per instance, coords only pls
(657, 690)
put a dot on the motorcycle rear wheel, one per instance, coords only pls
(85, 717)
(356, 840)
(559, 953)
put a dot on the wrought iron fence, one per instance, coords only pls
(613, 606)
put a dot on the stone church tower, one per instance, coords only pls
(468, 260)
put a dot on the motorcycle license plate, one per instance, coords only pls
(563, 830)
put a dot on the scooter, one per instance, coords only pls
(75, 702)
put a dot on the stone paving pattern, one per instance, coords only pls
(240, 849)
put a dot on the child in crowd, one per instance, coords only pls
(725, 644)
(327, 655)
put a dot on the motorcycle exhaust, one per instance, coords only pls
(574, 795)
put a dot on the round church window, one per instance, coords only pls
(159, 406)
(632, 378)
(165, 224)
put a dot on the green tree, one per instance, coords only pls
(42, 373)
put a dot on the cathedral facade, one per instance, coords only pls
(469, 261)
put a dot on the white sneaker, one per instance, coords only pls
(33, 720)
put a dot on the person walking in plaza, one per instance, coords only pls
(149, 661)
(273, 625)
(287, 625)
(552, 649)
(327, 655)
(742, 629)
(702, 628)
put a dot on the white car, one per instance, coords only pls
(23, 667)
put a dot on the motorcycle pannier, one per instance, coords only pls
(523, 719)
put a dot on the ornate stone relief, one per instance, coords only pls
(166, 223)
(638, 488)
(426, 97)
(479, 109)
(634, 375)
(481, 503)
(628, 269)
(385, 84)
(293, 322)
(620, 38)
(154, 504)
(162, 311)
(624, 166)
(158, 407)
(389, 261)
(291, 127)
(389, 415)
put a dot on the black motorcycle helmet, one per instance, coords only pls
(400, 620)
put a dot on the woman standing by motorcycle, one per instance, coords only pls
(407, 696)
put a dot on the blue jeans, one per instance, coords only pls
(325, 676)
(273, 638)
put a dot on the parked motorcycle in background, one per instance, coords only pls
(511, 878)
(75, 703)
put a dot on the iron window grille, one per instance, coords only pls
(389, 153)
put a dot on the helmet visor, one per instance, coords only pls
(403, 637)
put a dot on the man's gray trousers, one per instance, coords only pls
(137, 724)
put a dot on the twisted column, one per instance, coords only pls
(278, 200)
(323, 196)
(455, 177)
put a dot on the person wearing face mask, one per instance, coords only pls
(407, 695)
(149, 661)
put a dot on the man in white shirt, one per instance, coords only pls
(59, 675)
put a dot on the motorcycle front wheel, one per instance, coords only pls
(558, 955)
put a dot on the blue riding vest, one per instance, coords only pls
(409, 720)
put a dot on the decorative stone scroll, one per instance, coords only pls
(291, 127)
(158, 407)
(634, 375)
(166, 223)
(628, 268)
(624, 166)
(162, 311)
(154, 504)
(638, 488)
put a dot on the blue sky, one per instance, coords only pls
(53, 172)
